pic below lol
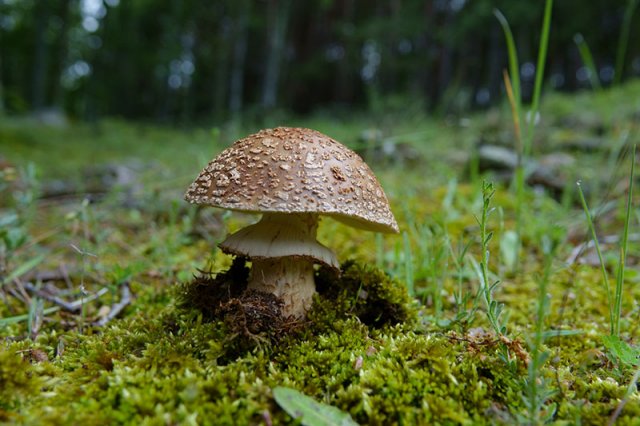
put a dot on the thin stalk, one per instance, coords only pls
(515, 98)
(519, 172)
(587, 59)
(623, 41)
(515, 108)
(605, 278)
(536, 399)
(623, 248)
(512, 86)
(537, 88)
(493, 308)
(408, 264)
(514, 68)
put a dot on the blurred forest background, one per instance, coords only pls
(192, 60)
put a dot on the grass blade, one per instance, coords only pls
(587, 60)
(548, 334)
(537, 88)
(514, 67)
(512, 86)
(408, 264)
(605, 277)
(22, 269)
(623, 41)
(623, 248)
(19, 318)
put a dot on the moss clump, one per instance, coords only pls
(208, 291)
(254, 318)
(18, 378)
(367, 293)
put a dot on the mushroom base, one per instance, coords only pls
(289, 278)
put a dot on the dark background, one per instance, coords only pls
(185, 61)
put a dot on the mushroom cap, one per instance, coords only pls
(294, 170)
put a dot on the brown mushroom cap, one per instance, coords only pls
(294, 170)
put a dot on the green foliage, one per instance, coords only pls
(22, 268)
(186, 61)
(18, 192)
(512, 82)
(621, 350)
(165, 364)
(614, 298)
(494, 309)
(308, 411)
(624, 245)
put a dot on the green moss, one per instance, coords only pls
(362, 349)
(18, 380)
(366, 292)
(172, 365)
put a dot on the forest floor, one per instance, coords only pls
(103, 322)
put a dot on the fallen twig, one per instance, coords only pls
(580, 249)
(67, 306)
(125, 299)
(44, 275)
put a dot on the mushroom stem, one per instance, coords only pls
(288, 277)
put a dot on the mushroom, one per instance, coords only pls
(291, 176)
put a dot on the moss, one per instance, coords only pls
(366, 292)
(179, 363)
(253, 319)
(17, 380)
(207, 291)
(173, 365)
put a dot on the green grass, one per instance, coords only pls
(587, 59)
(614, 299)
(524, 143)
(623, 41)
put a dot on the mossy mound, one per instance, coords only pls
(362, 349)
(253, 318)
(359, 350)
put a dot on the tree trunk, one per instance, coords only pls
(238, 58)
(58, 89)
(41, 54)
(445, 71)
(343, 83)
(1, 89)
(495, 65)
(277, 18)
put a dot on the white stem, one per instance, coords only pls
(291, 279)
(288, 277)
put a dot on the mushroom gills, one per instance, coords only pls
(281, 235)
(282, 248)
